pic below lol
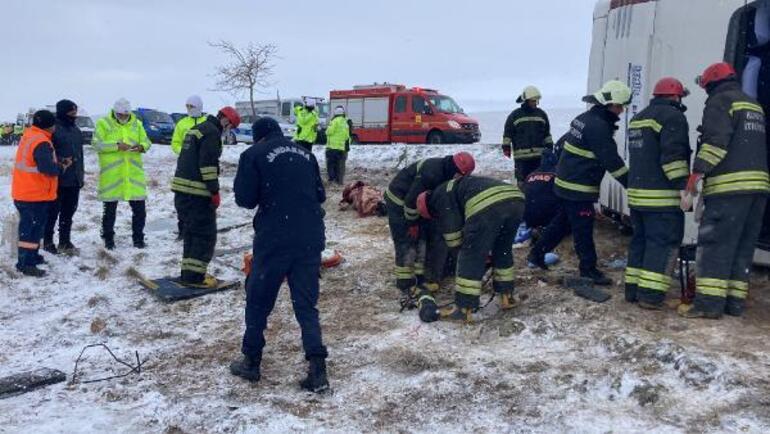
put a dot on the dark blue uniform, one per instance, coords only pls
(282, 179)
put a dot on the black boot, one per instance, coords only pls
(109, 243)
(316, 376)
(67, 247)
(31, 270)
(735, 306)
(246, 368)
(597, 277)
(50, 247)
(537, 260)
(139, 243)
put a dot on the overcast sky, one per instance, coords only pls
(155, 52)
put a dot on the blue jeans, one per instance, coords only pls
(32, 220)
(268, 270)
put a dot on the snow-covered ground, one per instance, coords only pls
(556, 364)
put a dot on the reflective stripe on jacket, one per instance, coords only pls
(28, 184)
(121, 173)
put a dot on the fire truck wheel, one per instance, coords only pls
(435, 138)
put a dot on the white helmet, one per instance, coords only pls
(529, 92)
(339, 110)
(613, 92)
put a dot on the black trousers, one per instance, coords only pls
(199, 235)
(726, 239)
(32, 219)
(490, 231)
(138, 218)
(652, 254)
(576, 217)
(269, 268)
(62, 209)
(335, 165)
(410, 254)
(522, 168)
(304, 144)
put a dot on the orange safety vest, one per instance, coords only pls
(29, 185)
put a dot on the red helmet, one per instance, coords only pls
(670, 86)
(231, 115)
(464, 163)
(422, 205)
(716, 72)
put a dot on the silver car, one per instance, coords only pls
(243, 133)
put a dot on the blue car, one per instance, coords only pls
(158, 124)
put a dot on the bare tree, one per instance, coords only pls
(248, 69)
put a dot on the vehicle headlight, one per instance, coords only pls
(454, 124)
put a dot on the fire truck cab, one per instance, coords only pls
(386, 113)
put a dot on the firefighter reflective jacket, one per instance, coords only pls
(307, 122)
(463, 198)
(659, 156)
(421, 176)
(528, 131)
(589, 151)
(197, 168)
(121, 173)
(33, 182)
(181, 129)
(338, 133)
(732, 154)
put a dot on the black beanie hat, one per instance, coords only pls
(43, 119)
(64, 106)
(264, 127)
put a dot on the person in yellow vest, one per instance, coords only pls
(33, 188)
(337, 146)
(307, 124)
(120, 140)
(195, 116)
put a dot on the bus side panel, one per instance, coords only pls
(626, 57)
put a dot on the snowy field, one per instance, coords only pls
(557, 363)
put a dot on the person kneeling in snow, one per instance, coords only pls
(478, 216)
(283, 180)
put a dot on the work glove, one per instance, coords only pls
(692, 183)
(414, 232)
(216, 200)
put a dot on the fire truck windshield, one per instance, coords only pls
(444, 104)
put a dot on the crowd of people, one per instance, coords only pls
(436, 207)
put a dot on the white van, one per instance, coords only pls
(641, 41)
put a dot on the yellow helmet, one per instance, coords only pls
(613, 92)
(529, 92)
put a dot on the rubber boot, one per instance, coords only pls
(690, 311)
(246, 368)
(209, 282)
(67, 248)
(139, 243)
(316, 380)
(631, 289)
(109, 243)
(31, 270)
(408, 298)
(50, 247)
(508, 300)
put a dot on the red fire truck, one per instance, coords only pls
(386, 113)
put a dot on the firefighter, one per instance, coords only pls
(68, 144)
(403, 218)
(195, 116)
(282, 179)
(732, 163)
(542, 204)
(659, 161)
(589, 150)
(337, 146)
(307, 124)
(120, 140)
(196, 199)
(33, 188)
(527, 133)
(478, 215)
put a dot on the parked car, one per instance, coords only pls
(177, 116)
(159, 125)
(87, 126)
(242, 134)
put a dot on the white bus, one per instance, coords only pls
(641, 41)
